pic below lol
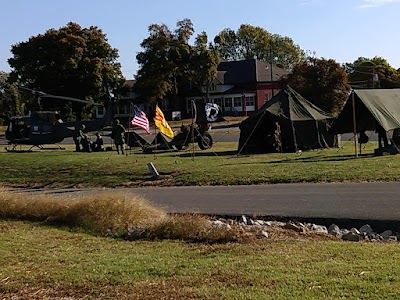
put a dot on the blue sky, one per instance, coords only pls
(341, 29)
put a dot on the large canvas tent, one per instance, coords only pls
(372, 107)
(296, 123)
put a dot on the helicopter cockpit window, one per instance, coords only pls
(17, 128)
(57, 117)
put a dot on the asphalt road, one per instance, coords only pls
(375, 201)
(371, 200)
(346, 204)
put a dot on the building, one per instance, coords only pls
(239, 88)
(242, 87)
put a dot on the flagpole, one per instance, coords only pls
(192, 129)
(155, 139)
(129, 127)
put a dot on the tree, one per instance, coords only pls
(203, 64)
(255, 42)
(168, 59)
(10, 100)
(363, 71)
(322, 82)
(71, 61)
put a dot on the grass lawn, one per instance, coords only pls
(39, 261)
(42, 262)
(217, 166)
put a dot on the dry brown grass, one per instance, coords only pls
(189, 227)
(99, 213)
(115, 214)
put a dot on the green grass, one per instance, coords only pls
(42, 262)
(73, 260)
(217, 166)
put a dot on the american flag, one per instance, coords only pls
(140, 119)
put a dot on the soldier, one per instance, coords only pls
(86, 143)
(98, 144)
(382, 137)
(118, 135)
(78, 134)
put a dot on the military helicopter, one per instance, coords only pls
(46, 127)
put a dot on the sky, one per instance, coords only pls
(342, 30)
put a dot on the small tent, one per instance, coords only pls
(286, 123)
(372, 107)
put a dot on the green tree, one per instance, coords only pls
(322, 82)
(203, 64)
(255, 42)
(161, 61)
(168, 60)
(10, 100)
(372, 73)
(70, 61)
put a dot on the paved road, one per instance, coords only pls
(375, 201)
(346, 204)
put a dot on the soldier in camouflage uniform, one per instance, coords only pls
(118, 135)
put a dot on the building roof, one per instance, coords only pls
(249, 70)
(130, 83)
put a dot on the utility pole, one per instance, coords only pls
(272, 80)
(373, 77)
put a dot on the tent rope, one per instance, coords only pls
(250, 135)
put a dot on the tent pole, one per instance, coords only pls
(354, 124)
(294, 136)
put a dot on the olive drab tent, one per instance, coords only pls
(372, 108)
(286, 123)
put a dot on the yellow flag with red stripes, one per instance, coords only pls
(162, 123)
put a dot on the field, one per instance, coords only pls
(53, 252)
(217, 166)
(65, 254)
(42, 262)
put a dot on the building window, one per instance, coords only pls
(250, 101)
(100, 110)
(237, 102)
(212, 87)
(228, 102)
(165, 104)
(218, 101)
(266, 97)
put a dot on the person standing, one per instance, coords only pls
(382, 136)
(78, 135)
(118, 135)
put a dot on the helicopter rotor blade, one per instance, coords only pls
(33, 92)
(71, 99)
(41, 94)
